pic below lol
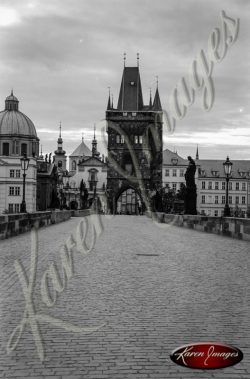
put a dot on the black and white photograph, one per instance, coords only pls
(125, 189)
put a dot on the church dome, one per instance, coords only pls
(13, 122)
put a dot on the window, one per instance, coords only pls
(140, 139)
(125, 114)
(243, 200)
(11, 208)
(122, 139)
(16, 147)
(216, 186)
(12, 173)
(136, 139)
(216, 200)
(133, 114)
(17, 191)
(209, 185)
(182, 172)
(223, 199)
(243, 186)
(59, 163)
(174, 186)
(74, 165)
(11, 191)
(203, 199)
(6, 148)
(237, 200)
(166, 172)
(216, 212)
(118, 138)
(237, 186)
(230, 199)
(18, 173)
(223, 186)
(203, 185)
(23, 148)
(174, 172)
(230, 186)
(17, 208)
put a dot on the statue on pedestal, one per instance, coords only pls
(191, 195)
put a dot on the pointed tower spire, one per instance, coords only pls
(82, 137)
(124, 59)
(109, 103)
(197, 154)
(112, 101)
(60, 130)
(150, 99)
(94, 144)
(157, 101)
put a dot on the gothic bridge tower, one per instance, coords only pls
(134, 145)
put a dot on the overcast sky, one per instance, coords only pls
(61, 56)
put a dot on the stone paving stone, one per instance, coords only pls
(196, 289)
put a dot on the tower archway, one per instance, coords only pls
(128, 202)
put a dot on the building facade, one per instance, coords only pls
(134, 145)
(88, 175)
(17, 138)
(211, 187)
(211, 183)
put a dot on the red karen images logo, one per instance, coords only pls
(206, 356)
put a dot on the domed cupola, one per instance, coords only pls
(17, 132)
(11, 103)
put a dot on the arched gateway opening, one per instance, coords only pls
(129, 203)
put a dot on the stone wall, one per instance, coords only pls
(14, 224)
(227, 226)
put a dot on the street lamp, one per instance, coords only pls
(24, 166)
(228, 169)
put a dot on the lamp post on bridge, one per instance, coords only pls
(24, 166)
(228, 169)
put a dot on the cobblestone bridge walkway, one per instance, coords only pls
(154, 288)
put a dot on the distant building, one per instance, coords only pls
(17, 138)
(88, 173)
(173, 170)
(211, 189)
(141, 126)
(47, 184)
(211, 183)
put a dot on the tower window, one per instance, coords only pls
(59, 163)
(6, 148)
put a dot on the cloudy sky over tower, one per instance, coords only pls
(61, 56)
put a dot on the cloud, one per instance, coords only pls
(61, 56)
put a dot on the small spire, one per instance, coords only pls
(112, 102)
(157, 81)
(82, 137)
(124, 58)
(94, 131)
(12, 92)
(197, 153)
(138, 59)
(150, 98)
(157, 101)
(109, 104)
(60, 130)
